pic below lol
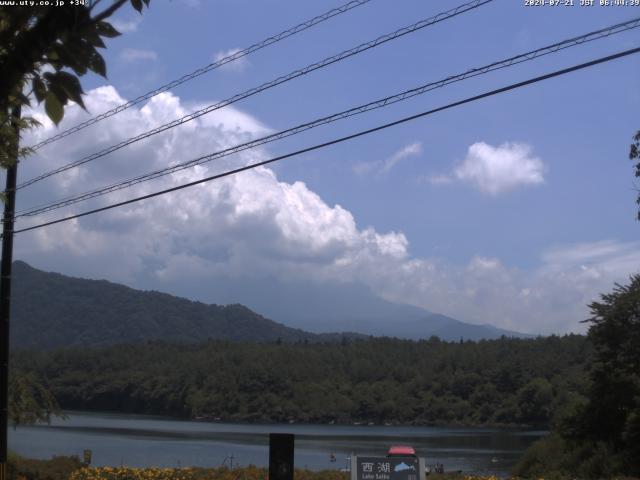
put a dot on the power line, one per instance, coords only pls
(524, 57)
(201, 71)
(342, 139)
(265, 86)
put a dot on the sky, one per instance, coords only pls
(516, 210)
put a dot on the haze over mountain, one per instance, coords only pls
(51, 310)
(330, 307)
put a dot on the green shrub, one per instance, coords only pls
(57, 468)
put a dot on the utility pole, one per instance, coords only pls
(5, 292)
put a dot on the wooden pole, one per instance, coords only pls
(5, 294)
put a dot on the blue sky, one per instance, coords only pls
(526, 195)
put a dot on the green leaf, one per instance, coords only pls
(39, 88)
(80, 53)
(137, 4)
(53, 54)
(65, 57)
(71, 85)
(53, 107)
(26, 123)
(105, 29)
(57, 53)
(59, 92)
(96, 64)
(19, 98)
(92, 37)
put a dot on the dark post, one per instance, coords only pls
(281, 456)
(5, 296)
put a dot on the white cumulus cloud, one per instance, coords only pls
(499, 169)
(244, 224)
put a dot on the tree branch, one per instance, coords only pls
(107, 12)
(27, 50)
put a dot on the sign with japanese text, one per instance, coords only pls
(386, 468)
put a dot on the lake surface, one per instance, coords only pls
(142, 441)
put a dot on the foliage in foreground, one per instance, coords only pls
(600, 437)
(57, 468)
(70, 468)
(30, 401)
(43, 51)
(634, 154)
(222, 473)
(245, 473)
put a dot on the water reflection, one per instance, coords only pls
(150, 441)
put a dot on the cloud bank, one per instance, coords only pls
(256, 227)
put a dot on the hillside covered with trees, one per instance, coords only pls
(495, 382)
(79, 312)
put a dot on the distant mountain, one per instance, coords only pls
(322, 307)
(50, 310)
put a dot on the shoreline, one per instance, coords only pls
(219, 420)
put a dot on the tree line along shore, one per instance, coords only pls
(382, 380)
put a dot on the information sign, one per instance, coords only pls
(386, 468)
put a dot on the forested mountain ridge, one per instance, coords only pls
(51, 310)
(493, 382)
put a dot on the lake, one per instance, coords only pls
(142, 441)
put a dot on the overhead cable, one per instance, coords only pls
(265, 86)
(523, 57)
(513, 86)
(207, 68)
